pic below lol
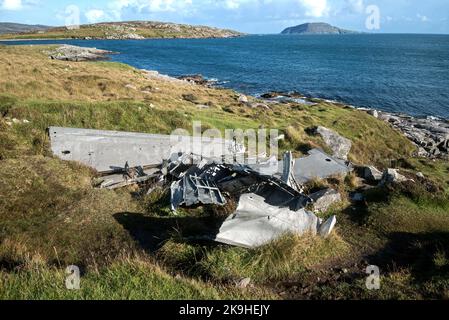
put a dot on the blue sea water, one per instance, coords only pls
(396, 73)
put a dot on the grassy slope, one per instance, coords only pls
(103, 30)
(51, 215)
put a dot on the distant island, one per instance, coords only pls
(316, 28)
(9, 27)
(116, 31)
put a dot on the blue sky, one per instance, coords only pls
(252, 16)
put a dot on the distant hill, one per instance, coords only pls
(316, 28)
(9, 27)
(126, 30)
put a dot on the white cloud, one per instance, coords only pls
(117, 7)
(12, 5)
(422, 18)
(232, 4)
(95, 15)
(355, 6)
(315, 8)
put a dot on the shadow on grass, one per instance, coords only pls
(152, 232)
(424, 255)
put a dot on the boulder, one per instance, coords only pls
(130, 86)
(392, 176)
(339, 145)
(242, 284)
(195, 78)
(371, 173)
(271, 95)
(259, 105)
(243, 99)
(374, 113)
(324, 199)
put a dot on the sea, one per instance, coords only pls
(402, 73)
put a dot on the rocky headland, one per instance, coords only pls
(130, 30)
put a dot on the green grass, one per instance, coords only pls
(130, 279)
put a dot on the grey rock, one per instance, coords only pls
(374, 113)
(243, 99)
(339, 145)
(371, 173)
(420, 175)
(430, 134)
(324, 199)
(242, 284)
(259, 105)
(75, 53)
(392, 176)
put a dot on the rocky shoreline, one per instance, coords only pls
(429, 134)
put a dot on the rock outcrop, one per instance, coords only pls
(339, 145)
(324, 199)
(74, 53)
(392, 176)
(371, 174)
(430, 134)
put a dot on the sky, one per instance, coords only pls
(251, 16)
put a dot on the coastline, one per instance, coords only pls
(429, 134)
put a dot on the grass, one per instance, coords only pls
(129, 279)
(131, 246)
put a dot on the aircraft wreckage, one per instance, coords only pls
(269, 193)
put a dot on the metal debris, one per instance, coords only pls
(108, 151)
(270, 194)
(320, 165)
(256, 223)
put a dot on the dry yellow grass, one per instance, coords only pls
(27, 72)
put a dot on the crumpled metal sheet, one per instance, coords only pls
(193, 190)
(204, 183)
(256, 223)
